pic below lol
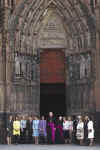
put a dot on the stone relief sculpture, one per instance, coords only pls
(23, 68)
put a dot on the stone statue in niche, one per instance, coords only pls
(82, 66)
(17, 65)
(70, 62)
(88, 65)
(28, 71)
(71, 72)
(23, 66)
(85, 66)
(23, 69)
(79, 43)
(77, 64)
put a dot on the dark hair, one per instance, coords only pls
(91, 118)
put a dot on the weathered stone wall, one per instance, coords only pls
(30, 25)
(76, 32)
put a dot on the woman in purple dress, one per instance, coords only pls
(43, 130)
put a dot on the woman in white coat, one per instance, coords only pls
(90, 131)
(80, 130)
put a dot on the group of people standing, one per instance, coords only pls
(52, 130)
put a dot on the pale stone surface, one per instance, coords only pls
(48, 147)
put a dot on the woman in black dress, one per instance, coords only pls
(86, 120)
(9, 130)
(29, 130)
(59, 138)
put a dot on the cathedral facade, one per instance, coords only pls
(49, 47)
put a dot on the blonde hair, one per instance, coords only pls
(69, 118)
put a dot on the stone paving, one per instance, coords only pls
(48, 147)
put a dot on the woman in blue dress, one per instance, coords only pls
(35, 127)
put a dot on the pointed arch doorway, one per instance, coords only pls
(52, 82)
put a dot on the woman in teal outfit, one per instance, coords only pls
(35, 127)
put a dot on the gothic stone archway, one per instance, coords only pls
(31, 31)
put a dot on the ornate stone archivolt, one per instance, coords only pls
(28, 18)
